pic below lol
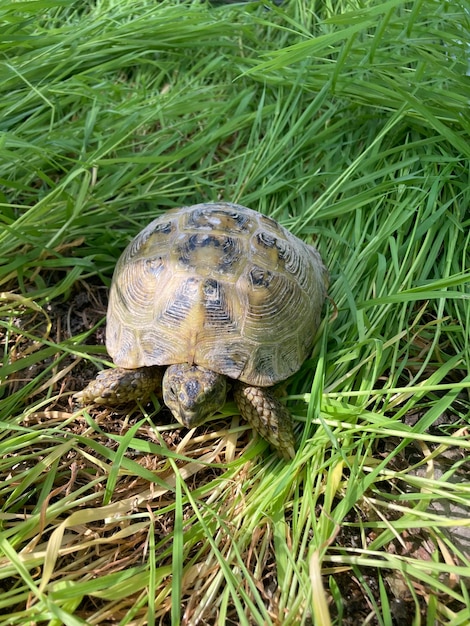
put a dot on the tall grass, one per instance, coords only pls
(346, 121)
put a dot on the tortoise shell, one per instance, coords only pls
(220, 286)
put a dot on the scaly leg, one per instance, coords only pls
(268, 417)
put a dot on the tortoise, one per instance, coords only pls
(207, 297)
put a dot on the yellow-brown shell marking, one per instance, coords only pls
(219, 286)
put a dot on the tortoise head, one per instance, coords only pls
(193, 393)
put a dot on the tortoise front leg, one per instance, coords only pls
(120, 386)
(268, 417)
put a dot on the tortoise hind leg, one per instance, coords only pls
(268, 417)
(119, 386)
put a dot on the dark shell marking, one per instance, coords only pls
(220, 286)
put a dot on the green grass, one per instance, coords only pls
(349, 123)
